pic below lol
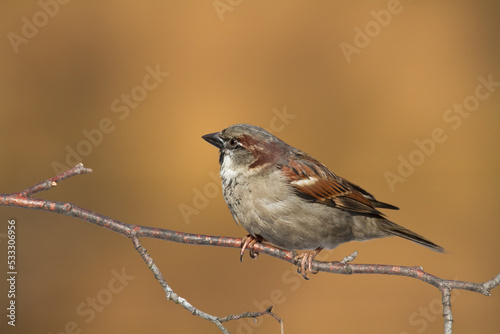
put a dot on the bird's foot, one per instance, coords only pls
(304, 262)
(249, 242)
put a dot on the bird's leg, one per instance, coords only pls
(249, 242)
(306, 258)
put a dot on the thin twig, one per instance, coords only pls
(134, 232)
(23, 200)
(447, 315)
(171, 295)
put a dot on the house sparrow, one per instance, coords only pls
(283, 196)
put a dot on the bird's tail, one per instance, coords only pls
(394, 229)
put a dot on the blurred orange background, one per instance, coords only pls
(358, 85)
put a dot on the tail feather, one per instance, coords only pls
(394, 229)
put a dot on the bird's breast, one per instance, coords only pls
(266, 205)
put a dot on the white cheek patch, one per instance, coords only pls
(228, 169)
(305, 182)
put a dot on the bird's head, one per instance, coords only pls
(246, 147)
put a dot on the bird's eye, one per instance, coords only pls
(233, 142)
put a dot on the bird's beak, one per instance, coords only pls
(214, 139)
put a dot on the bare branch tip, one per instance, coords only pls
(349, 258)
(80, 168)
(489, 285)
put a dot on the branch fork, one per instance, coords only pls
(134, 232)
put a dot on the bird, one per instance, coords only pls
(283, 196)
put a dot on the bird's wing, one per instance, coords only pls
(372, 199)
(312, 180)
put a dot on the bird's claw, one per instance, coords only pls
(249, 242)
(304, 262)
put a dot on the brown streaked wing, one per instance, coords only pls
(372, 199)
(313, 180)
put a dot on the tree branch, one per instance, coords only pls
(171, 295)
(134, 232)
